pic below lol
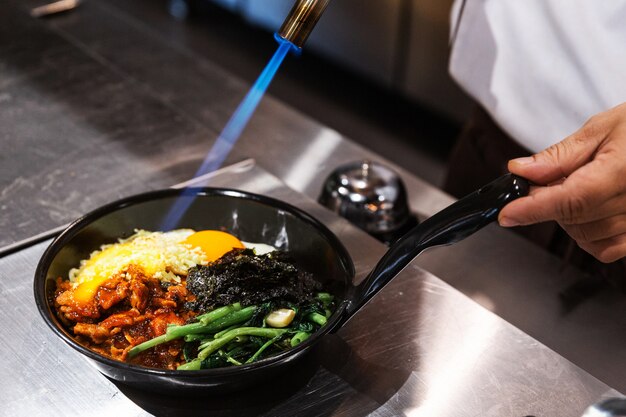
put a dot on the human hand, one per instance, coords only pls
(581, 183)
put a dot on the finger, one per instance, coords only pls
(606, 250)
(563, 158)
(542, 204)
(584, 196)
(522, 211)
(597, 230)
(556, 203)
(557, 182)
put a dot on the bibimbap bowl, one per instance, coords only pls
(260, 219)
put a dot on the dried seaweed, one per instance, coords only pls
(241, 276)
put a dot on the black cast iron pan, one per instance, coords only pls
(255, 218)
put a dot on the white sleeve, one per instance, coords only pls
(541, 68)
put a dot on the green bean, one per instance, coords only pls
(241, 331)
(220, 312)
(299, 338)
(193, 365)
(325, 298)
(317, 318)
(210, 323)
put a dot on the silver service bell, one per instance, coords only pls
(372, 197)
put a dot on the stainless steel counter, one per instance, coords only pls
(420, 348)
(96, 105)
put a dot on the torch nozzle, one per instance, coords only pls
(301, 20)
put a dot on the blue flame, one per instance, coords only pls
(231, 132)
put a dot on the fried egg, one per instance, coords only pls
(214, 243)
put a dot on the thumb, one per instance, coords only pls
(561, 159)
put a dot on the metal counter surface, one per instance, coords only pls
(419, 348)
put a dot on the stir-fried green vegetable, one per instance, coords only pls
(236, 335)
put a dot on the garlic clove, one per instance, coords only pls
(280, 318)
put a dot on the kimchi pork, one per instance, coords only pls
(127, 309)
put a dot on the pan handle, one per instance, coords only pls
(452, 224)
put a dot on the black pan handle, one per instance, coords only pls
(452, 224)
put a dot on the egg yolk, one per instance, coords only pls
(214, 243)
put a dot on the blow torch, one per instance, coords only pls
(301, 20)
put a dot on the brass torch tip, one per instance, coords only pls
(301, 20)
